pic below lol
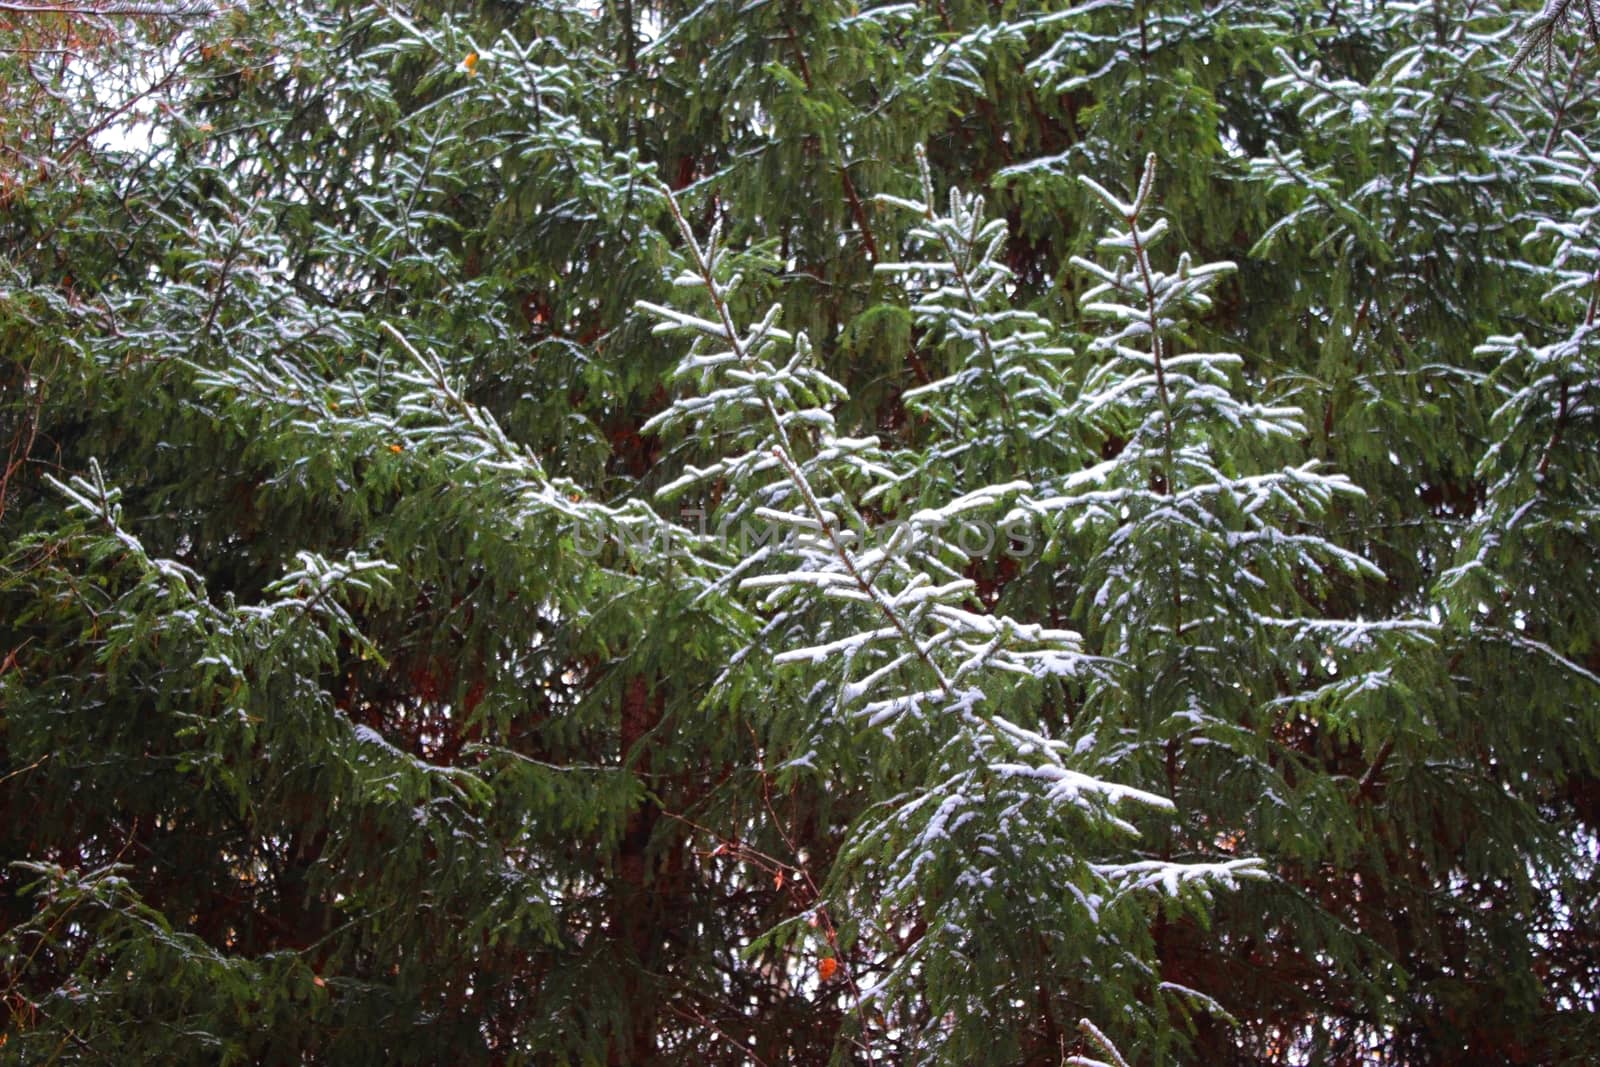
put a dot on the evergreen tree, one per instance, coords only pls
(799, 532)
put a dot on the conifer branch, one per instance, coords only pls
(1169, 474)
(1153, 308)
(116, 8)
(863, 582)
(857, 210)
(960, 262)
(783, 451)
(1094, 1034)
(1539, 33)
(1154, 299)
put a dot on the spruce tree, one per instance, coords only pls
(799, 532)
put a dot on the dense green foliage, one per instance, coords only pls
(794, 532)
